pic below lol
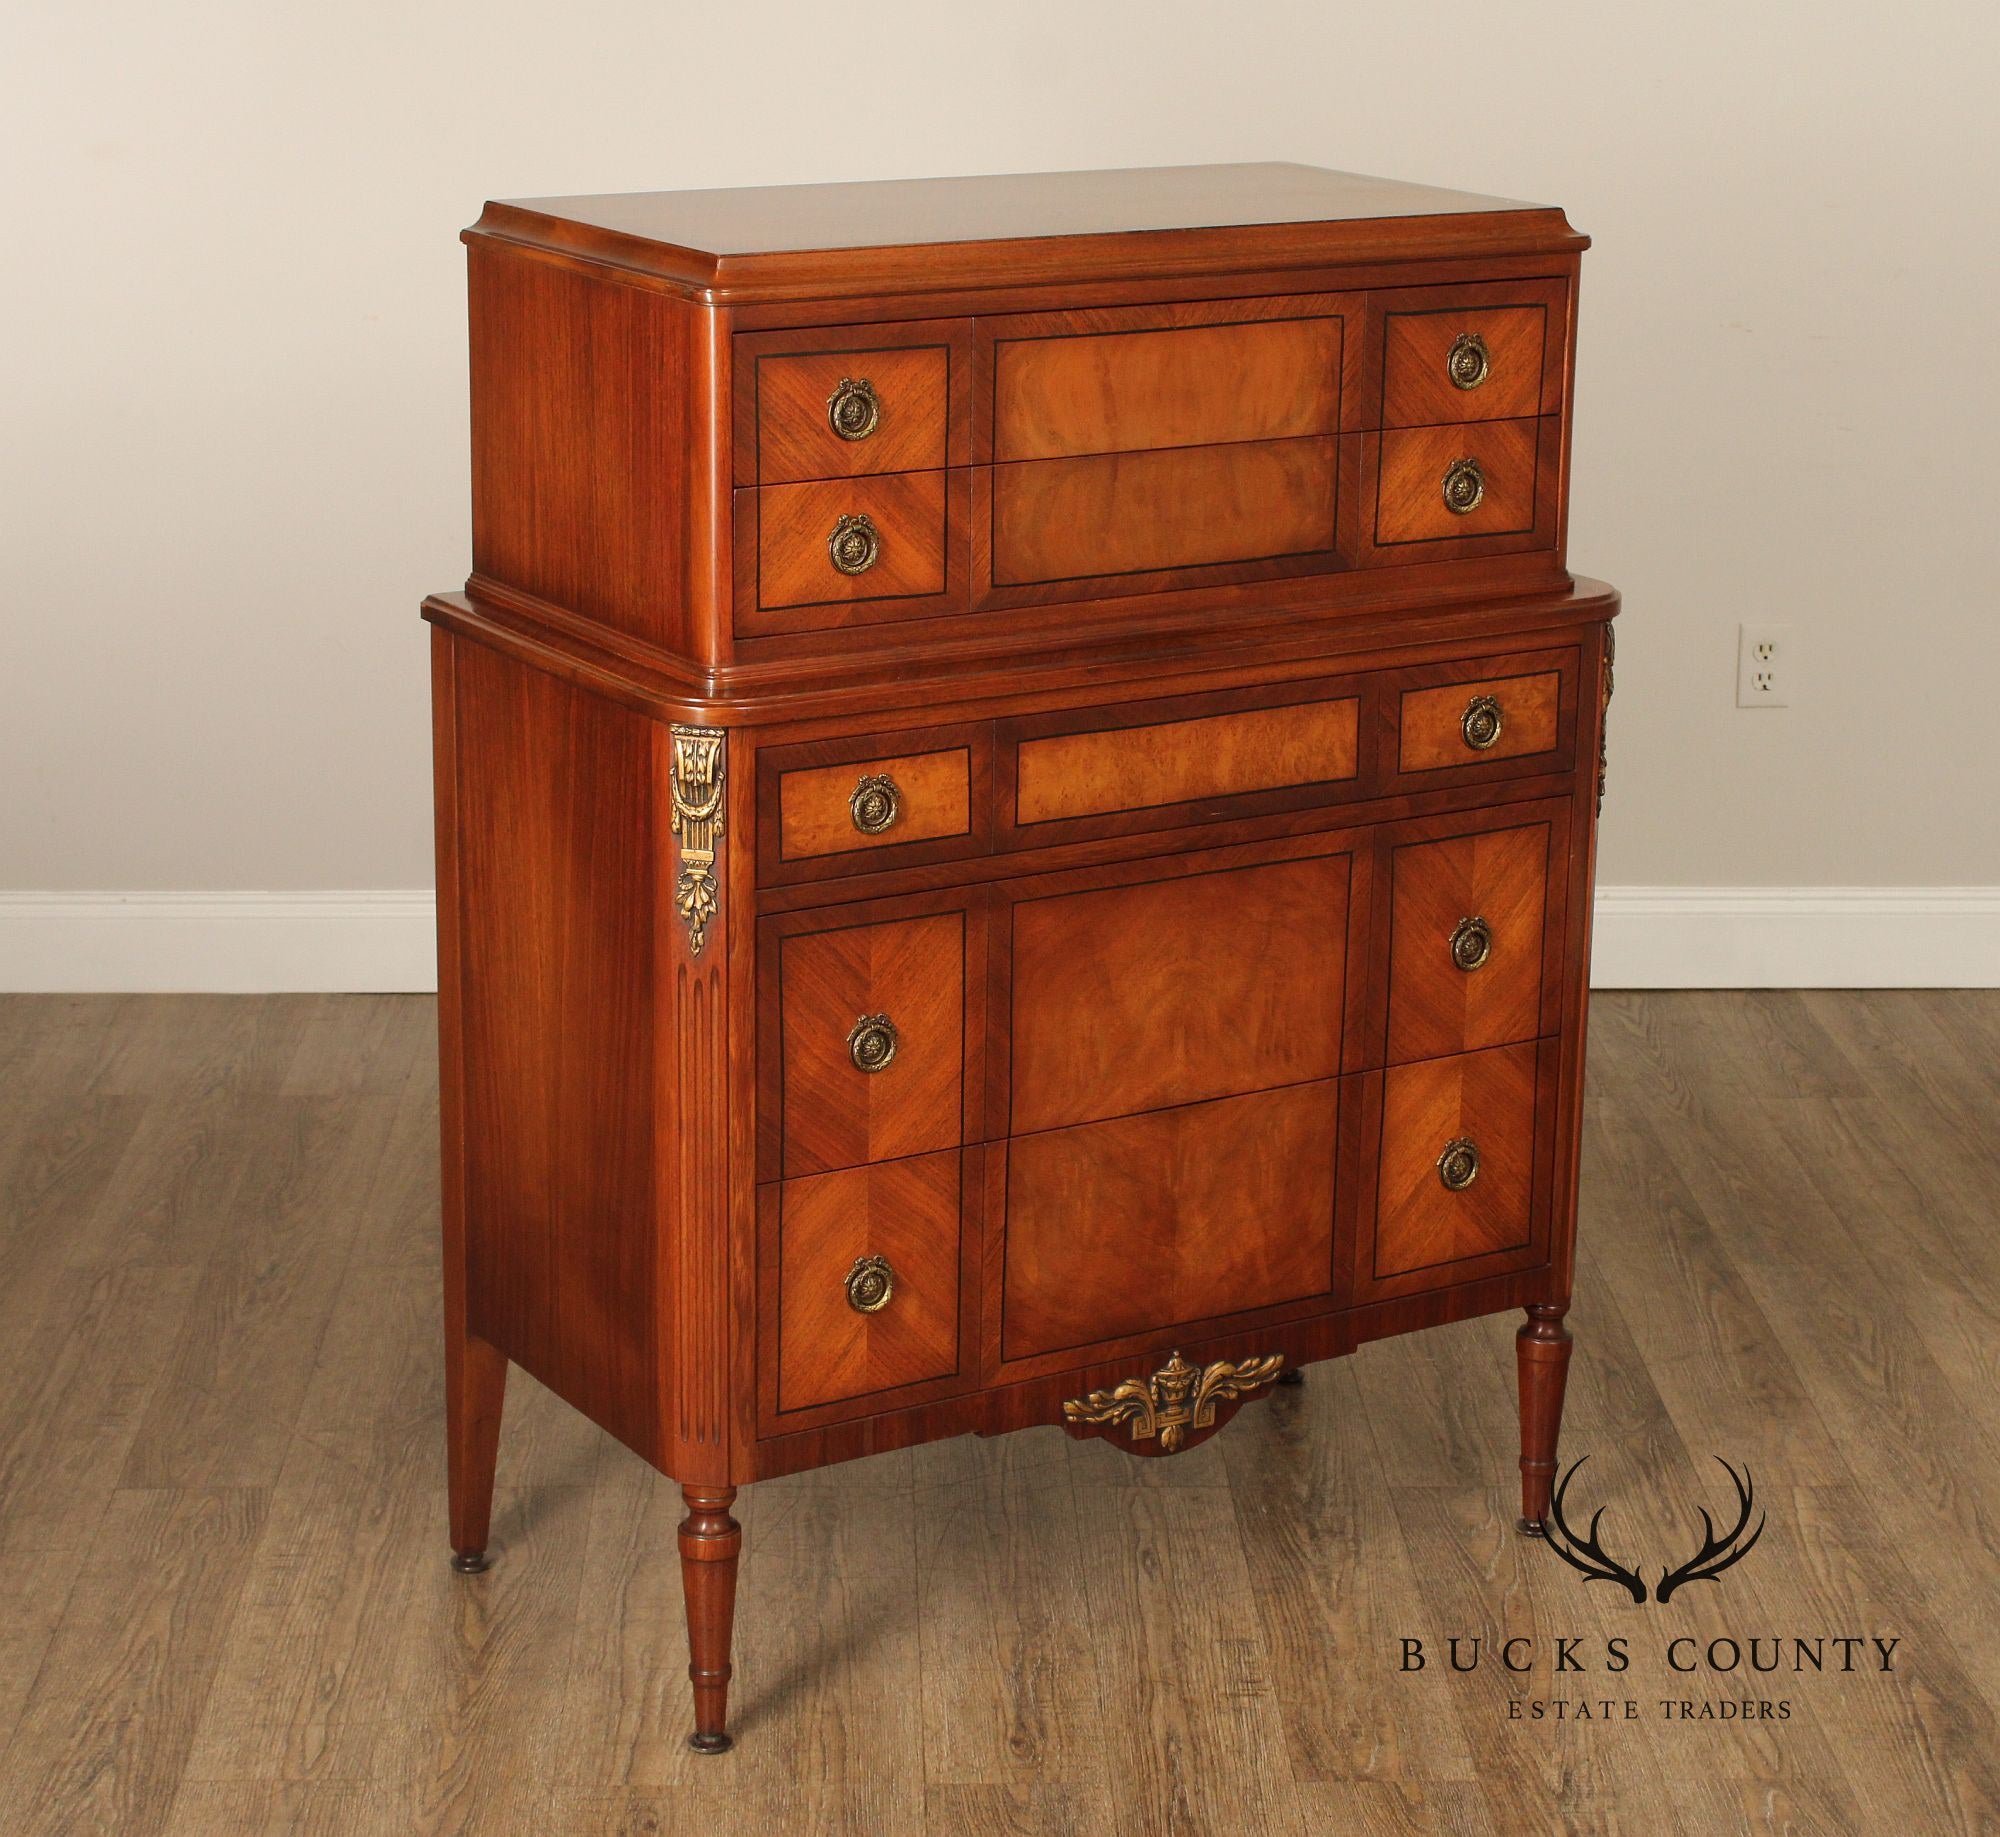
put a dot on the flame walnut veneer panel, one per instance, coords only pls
(1501, 346)
(1138, 513)
(1055, 397)
(1185, 986)
(1148, 1222)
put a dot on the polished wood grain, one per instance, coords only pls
(1135, 513)
(815, 806)
(909, 972)
(583, 491)
(1172, 989)
(1419, 1225)
(905, 1211)
(1417, 386)
(1159, 1221)
(1431, 725)
(798, 241)
(795, 524)
(1068, 392)
(175, 1659)
(1409, 498)
(1498, 877)
(1174, 762)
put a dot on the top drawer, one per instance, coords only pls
(1132, 379)
(847, 401)
(1491, 352)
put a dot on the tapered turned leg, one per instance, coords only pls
(1541, 1362)
(475, 1387)
(711, 1540)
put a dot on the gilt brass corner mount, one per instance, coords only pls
(696, 786)
(1176, 1398)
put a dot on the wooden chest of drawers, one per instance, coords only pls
(1016, 780)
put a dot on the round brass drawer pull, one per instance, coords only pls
(876, 804)
(855, 545)
(1471, 943)
(1481, 722)
(870, 1283)
(1464, 487)
(872, 1043)
(1467, 363)
(854, 410)
(1458, 1166)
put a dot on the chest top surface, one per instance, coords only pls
(741, 243)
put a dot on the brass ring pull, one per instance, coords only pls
(854, 410)
(1471, 943)
(876, 804)
(855, 545)
(1467, 362)
(1481, 722)
(1458, 1166)
(872, 1043)
(870, 1283)
(1464, 487)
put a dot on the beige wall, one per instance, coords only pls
(235, 402)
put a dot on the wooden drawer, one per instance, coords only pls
(1137, 522)
(1151, 765)
(821, 1237)
(1475, 722)
(1200, 374)
(891, 531)
(1482, 353)
(1167, 1219)
(844, 401)
(873, 801)
(1454, 484)
(1424, 1127)
(870, 1030)
(1161, 983)
(1475, 935)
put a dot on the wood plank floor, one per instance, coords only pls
(225, 1607)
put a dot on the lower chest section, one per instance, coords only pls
(1182, 1019)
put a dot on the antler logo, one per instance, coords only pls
(1587, 1553)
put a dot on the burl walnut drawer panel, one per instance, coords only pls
(870, 1030)
(1475, 937)
(843, 401)
(1456, 1160)
(1122, 379)
(1488, 719)
(1149, 765)
(1480, 353)
(1159, 1220)
(1133, 522)
(873, 801)
(1176, 984)
(865, 1293)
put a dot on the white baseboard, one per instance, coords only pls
(218, 943)
(1646, 938)
(1796, 938)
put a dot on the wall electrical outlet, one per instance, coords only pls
(1764, 666)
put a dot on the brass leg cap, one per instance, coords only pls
(1530, 1527)
(710, 1744)
(471, 1562)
